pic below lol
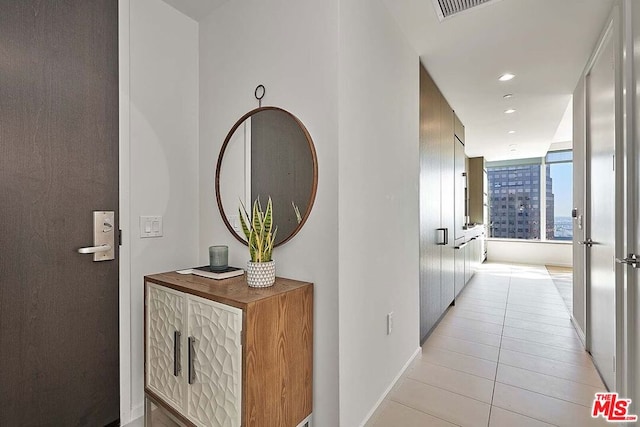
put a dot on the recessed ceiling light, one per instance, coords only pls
(506, 77)
(507, 96)
(512, 131)
(509, 111)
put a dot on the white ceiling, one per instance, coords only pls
(545, 43)
(195, 9)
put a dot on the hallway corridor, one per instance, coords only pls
(505, 355)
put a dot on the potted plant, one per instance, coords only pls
(258, 228)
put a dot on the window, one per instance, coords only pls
(559, 195)
(540, 204)
(518, 210)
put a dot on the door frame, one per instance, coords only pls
(127, 412)
(631, 141)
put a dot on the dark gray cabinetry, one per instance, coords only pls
(437, 199)
(447, 205)
(449, 251)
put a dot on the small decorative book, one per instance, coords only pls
(205, 271)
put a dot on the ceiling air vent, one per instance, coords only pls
(448, 8)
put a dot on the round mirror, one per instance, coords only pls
(267, 153)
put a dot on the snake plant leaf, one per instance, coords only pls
(243, 223)
(259, 230)
(252, 246)
(256, 220)
(268, 223)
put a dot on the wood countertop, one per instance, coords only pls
(233, 291)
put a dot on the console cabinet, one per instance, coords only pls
(218, 353)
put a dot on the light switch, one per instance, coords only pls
(150, 226)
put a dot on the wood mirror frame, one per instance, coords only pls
(314, 186)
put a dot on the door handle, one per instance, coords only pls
(588, 243)
(633, 260)
(103, 237)
(94, 249)
(191, 353)
(176, 353)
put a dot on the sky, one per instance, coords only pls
(562, 175)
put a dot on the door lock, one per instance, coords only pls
(103, 237)
(633, 260)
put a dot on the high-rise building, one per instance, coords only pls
(515, 201)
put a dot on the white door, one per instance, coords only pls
(165, 332)
(633, 225)
(214, 363)
(601, 276)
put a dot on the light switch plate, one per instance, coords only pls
(150, 226)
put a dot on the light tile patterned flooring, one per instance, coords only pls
(506, 355)
(563, 279)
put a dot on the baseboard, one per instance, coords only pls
(136, 422)
(579, 331)
(386, 392)
(137, 412)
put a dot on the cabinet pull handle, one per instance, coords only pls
(445, 236)
(191, 350)
(177, 367)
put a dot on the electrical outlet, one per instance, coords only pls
(389, 323)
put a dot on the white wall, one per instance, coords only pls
(378, 205)
(290, 46)
(162, 154)
(530, 252)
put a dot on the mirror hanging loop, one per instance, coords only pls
(259, 94)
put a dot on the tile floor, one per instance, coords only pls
(505, 355)
(563, 279)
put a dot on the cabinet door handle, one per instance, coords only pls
(191, 350)
(177, 367)
(444, 239)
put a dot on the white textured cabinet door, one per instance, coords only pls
(214, 396)
(165, 315)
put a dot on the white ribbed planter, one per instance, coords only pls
(261, 274)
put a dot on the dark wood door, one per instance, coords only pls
(58, 163)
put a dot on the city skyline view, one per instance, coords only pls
(515, 201)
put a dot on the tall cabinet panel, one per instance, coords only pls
(461, 182)
(439, 193)
(478, 196)
(429, 200)
(447, 205)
